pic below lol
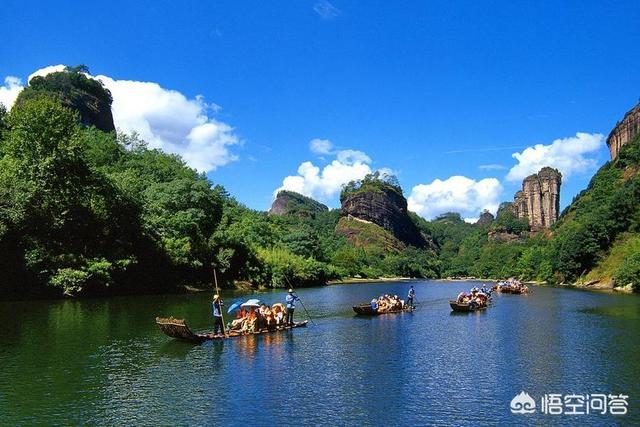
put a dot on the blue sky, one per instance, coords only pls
(429, 90)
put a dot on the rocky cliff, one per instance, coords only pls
(485, 218)
(539, 199)
(385, 206)
(291, 203)
(75, 90)
(624, 131)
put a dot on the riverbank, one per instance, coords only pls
(602, 286)
(484, 279)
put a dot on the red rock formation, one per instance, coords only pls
(385, 207)
(539, 199)
(624, 131)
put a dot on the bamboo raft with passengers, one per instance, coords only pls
(385, 304)
(253, 317)
(469, 302)
(511, 286)
(178, 329)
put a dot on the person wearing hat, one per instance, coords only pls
(291, 306)
(411, 296)
(218, 325)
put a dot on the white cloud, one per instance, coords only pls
(568, 155)
(46, 70)
(455, 194)
(492, 167)
(352, 157)
(326, 10)
(320, 146)
(166, 119)
(325, 183)
(9, 91)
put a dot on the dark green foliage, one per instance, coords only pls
(629, 272)
(607, 208)
(3, 123)
(412, 262)
(80, 214)
(497, 260)
(448, 232)
(63, 223)
(375, 182)
(506, 221)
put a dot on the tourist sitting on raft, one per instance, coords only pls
(512, 286)
(253, 317)
(386, 303)
(475, 298)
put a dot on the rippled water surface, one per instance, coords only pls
(104, 361)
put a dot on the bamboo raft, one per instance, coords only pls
(365, 309)
(465, 307)
(178, 329)
(511, 290)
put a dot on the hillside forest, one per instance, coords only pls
(86, 210)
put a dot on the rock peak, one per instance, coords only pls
(383, 204)
(292, 203)
(539, 199)
(485, 218)
(624, 131)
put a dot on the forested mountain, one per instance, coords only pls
(596, 240)
(87, 211)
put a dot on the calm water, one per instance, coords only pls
(104, 361)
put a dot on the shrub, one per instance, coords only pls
(629, 272)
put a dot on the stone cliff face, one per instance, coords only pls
(291, 203)
(485, 218)
(93, 110)
(384, 207)
(624, 131)
(539, 199)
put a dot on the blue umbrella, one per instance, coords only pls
(234, 306)
(253, 302)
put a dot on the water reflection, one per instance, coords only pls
(175, 349)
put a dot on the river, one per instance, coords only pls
(104, 361)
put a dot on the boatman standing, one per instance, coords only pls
(217, 315)
(291, 306)
(411, 296)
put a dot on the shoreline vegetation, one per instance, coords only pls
(86, 211)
